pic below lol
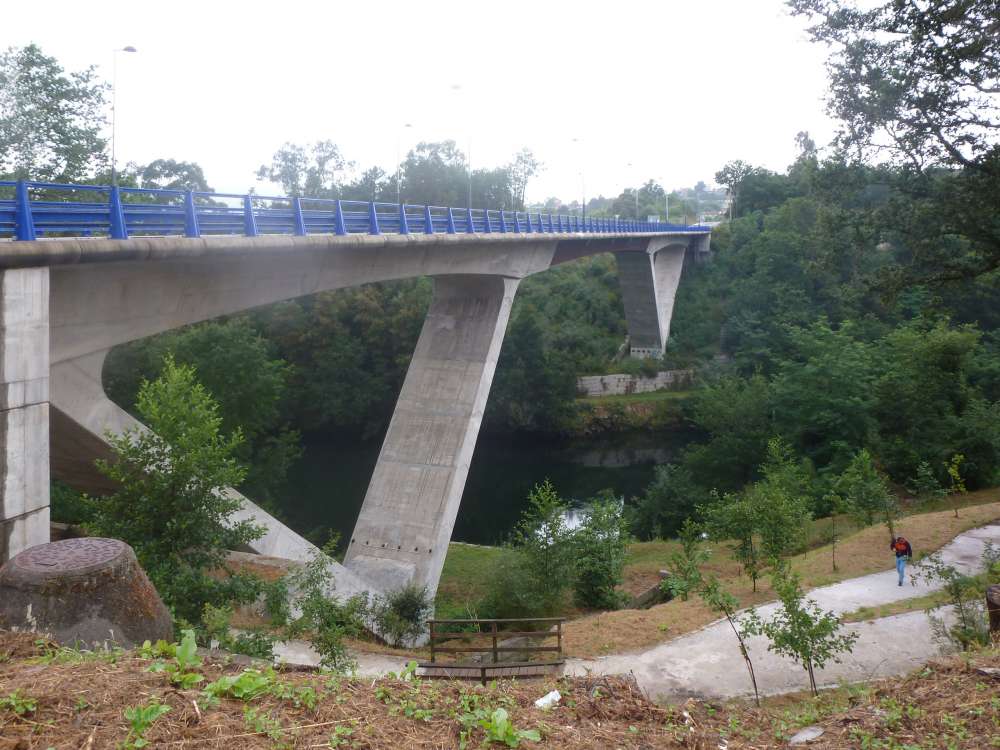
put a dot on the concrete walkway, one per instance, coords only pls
(707, 663)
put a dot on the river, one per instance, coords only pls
(328, 485)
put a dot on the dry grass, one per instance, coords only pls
(79, 704)
(859, 554)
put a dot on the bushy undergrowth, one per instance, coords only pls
(546, 561)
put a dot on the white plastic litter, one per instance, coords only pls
(548, 700)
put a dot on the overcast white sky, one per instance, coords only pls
(674, 88)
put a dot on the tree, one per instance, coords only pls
(768, 518)
(173, 506)
(51, 121)
(311, 172)
(800, 630)
(866, 494)
(919, 83)
(522, 167)
(731, 176)
(601, 543)
(170, 174)
(666, 503)
(686, 576)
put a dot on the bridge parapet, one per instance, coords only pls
(34, 210)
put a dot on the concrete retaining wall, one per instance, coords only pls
(619, 384)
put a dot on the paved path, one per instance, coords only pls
(707, 663)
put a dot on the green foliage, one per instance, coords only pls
(496, 727)
(51, 122)
(964, 593)
(768, 519)
(68, 506)
(172, 505)
(925, 485)
(184, 660)
(667, 502)
(600, 542)
(140, 718)
(19, 703)
(322, 618)
(865, 493)
(251, 386)
(800, 630)
(684, 566)
(401, 616)
(256, 642)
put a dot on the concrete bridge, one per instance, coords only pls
(143, 262)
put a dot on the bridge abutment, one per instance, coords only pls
(24, 409)
(409, 511)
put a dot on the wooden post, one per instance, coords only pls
(431, 624)
(993, 607)
(495, 656)
(559, 636)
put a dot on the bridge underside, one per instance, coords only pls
(60, 320)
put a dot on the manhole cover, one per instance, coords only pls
(69, 555)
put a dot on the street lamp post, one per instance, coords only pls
(457, 88)
(583, 179)
(405, 125)
(114, 109)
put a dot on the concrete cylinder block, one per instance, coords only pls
(86, 592)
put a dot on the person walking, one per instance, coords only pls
(904, 552)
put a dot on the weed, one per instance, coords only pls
(261, 723)
(185, 658)
(140, 719)
(18, 703)
(496, 726)
(341, 736)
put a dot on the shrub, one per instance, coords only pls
(600, 545)
(322, 618)
(401, 616)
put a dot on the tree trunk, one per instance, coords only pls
(812, 678)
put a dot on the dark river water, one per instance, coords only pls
(327, 487)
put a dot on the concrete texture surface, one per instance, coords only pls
(24, 409)
(409, 511)
(707, 663)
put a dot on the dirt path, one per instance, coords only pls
(707, 663)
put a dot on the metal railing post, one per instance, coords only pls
(503, 222)
(191, 228)
(428, 221)
(517, 222)
(486, 221)
(469, 227)
(404, 225)
(249, 223)
(451, 221)
(117, 217)
(300, 221)
(530, 228)
(339, 224)
(372, 219)
(22, 213)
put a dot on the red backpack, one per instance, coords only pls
(901, 544)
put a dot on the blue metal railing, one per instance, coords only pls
(45, 209)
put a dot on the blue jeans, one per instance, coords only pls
(901, 567)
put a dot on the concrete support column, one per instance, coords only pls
(409, 511)
(24, 410)
(649, 286)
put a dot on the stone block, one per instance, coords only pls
(86, 592)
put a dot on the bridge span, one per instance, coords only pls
(84, 269)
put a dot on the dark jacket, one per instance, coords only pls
(908, 551)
